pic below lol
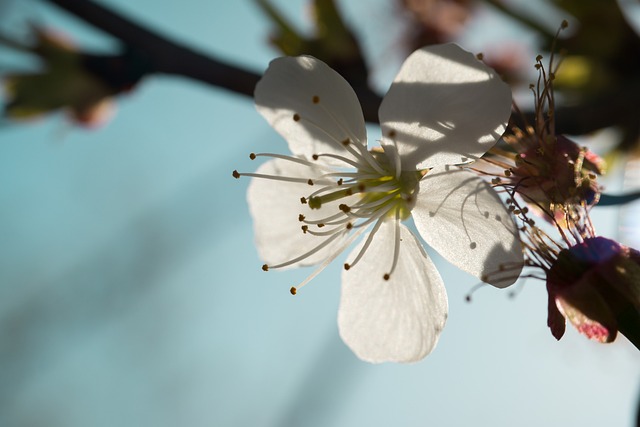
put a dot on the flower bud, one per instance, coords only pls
(596, 286)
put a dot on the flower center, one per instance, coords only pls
(371, 190)
(389, 192)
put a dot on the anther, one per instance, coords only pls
(293, 290)
(340, 181)
(320, 225)
(564, 24)
(315, 157)
(236, 174)
(252, 156)
(315, 99)
(361, 188)
(296, 117)
(305, 228)
(480, 56)
(391, 133)
(265, 267)
(473, 245)
(344, 208)
(349, 226)
(348, 192)
(386, 276)
(346, 142)
(346, 266)
(310, 181)
(301, 217)
(303, 200)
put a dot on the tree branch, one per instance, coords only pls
(169, 57)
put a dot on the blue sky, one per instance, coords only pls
(131, 293)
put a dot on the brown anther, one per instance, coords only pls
(296, 117)
(303, 200)
(305, 228)
(346, 142)
(315, 157)
(252, 156)
(348, 192)
(236, 174)
(320, 225)
(480, 56)
(344, 208)
(265, 267)
(473, 245)
(340, 181)
(349, 226)
(391, 133)
(310, 181)
(293, 290)
(538, 58)
(315, 99)
(346, 266)
(386, 276)
(301, 217)
(361, 188)
(564, 24)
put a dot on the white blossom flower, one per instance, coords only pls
(444, 108)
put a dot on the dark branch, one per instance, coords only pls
(169, 57)
(166, 56)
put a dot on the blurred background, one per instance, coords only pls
(131, 293)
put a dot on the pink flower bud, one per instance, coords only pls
(596, 286)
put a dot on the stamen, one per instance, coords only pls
(329, 259)
(396, 246)
(277, 178)
(367, 242)
(310, 252)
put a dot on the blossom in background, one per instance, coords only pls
(592, 281)
(444, 108)
(549, 171)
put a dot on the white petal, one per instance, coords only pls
(463, 218)
(290, 86)
(444, 107)
(395, 320)
(275, 206)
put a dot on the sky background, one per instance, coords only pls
(131, 293)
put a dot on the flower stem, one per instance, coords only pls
(629, 325)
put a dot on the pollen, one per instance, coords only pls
(315, 99)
